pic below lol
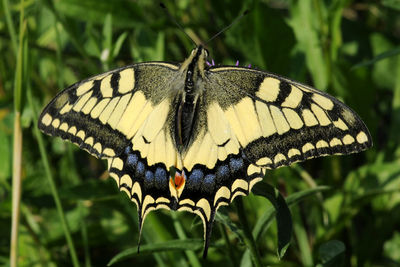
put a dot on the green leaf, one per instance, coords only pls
(173, 245)
(269, 214)
(118, 44)
(283, 216)
(394, 4)
(331, 253)
(391, 247)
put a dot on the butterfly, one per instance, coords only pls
(194, 136)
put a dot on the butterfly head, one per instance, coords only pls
(196, 62)
(201, 51)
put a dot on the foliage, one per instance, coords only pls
(348, 48)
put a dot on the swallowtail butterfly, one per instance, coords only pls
(219, 127)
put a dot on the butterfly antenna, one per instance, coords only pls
(176, 23)
(230, 25)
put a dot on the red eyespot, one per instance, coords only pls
(179, 179)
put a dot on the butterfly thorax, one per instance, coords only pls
(185, 117)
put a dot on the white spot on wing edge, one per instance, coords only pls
(322, 144)
(348, 139)
(46, 120)
(293, 152)
(307, 147)
(97, 147)
(64, 126)
(263, 161)
(362, 137)
(55, 123)
(335, 142)
(72, 130)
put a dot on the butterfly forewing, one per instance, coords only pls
(278, 121)
(99, 114)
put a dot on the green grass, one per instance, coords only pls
(348, 48)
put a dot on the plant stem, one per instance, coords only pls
(16, 189)
(17, 145)
(248, 237)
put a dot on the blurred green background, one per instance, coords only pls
(348, 48)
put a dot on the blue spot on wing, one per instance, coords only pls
(132, 160)
(209, 183)
(140, 169)
(194, 179)
(128, 150)
(222, 173)
(148, 179)
(161, 178)
(236, 164)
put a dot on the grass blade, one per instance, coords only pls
(10, 25)
(384, 55)
(174, 245)
(17, 145)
